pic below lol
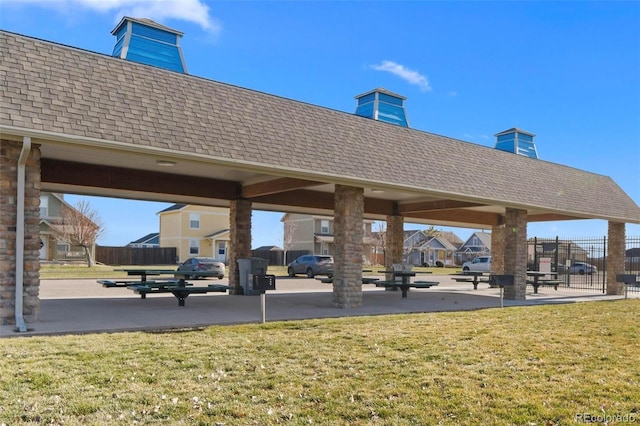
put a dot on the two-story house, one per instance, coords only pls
(52, 248)
(195, 231)
(314, 233)
(478, 244)
(421, 248)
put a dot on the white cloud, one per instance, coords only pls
(195, 11)
(410, 76)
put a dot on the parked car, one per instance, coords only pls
(479, 264)
(311, 265)
(582, 268)
(203, 264)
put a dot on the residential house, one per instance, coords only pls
(148, 241)
(561, 252)
(420, 248)
(195, 231)
(314, 234)
(413, 240)
(52, 248)
(451, 237)
(437, 251)
(478, 244)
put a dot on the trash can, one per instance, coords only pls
(247, 269)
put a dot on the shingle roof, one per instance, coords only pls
(152, 238)
(74, 92)
(173, 207)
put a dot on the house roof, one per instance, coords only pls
(152, 238)
(218, 233)
(441, 241)
(451, 237)
(173, 208)
(484, 237)
(109, 114)
(268, 248)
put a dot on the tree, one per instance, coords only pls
(289, 237)
(431, 231)
(80, 227)
(380, 237)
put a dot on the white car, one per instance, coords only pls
(479, 264)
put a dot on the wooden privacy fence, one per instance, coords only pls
(136, 255)
(276, 257)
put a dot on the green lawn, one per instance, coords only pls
(540, 365)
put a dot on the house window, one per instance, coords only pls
(194, 221)
(194, 247)
(44, 206)
(324, 248)
(324, 226)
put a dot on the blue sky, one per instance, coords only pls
(567, 71)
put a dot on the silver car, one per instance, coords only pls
(213, 267)
(311, 265)
(582, 268)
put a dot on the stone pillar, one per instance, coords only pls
(240, 240)
(394, 241)
(515, 252)
(615, 257)
(498, 236)
(348, 233)
(9, 155)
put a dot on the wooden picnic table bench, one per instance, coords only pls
(365, 280)
(127, 283)
(404, 286)
(539, 282)
(474, 279)
(181, 292)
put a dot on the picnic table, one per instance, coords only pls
(365, 280)
(538, 278)
(144, 273)
(405, 281)
(178, 286)
(474, 277)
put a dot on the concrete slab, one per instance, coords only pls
(84, 306)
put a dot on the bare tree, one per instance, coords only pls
(289, 238)
(80, 227)
(380, 237)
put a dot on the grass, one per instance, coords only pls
(540, 365)
(82, 271)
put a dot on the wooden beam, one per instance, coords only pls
(546, 217)
(299, 198)
(275, 186)
(379, 206)
(462, 216)
(94, 175)
(435, 205)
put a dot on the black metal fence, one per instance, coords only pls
(581, 263)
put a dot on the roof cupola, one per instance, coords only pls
(517, 141)
(147, 42)
(383, 105)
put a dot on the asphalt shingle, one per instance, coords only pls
(51, 87)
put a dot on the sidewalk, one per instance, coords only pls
(84, 306)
